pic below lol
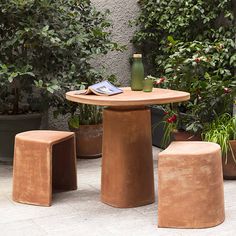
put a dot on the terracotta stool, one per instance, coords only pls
(43, 160)
(190, 185)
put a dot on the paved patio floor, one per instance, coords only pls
(81, 212)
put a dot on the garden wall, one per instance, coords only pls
(115, 62)
(121, 12)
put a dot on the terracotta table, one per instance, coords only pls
(127, 165)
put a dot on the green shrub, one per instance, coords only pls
(191, 43)
(184, 20)
(46, 45)
(204, 70)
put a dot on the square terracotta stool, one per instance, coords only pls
(43, 161)
(190, 185)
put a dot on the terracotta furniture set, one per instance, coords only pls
(127, 164)
(190, 182)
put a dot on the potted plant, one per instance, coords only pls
(173, 127)
(195, 54)
(87, 125)
(20, 109)
(197, 67)
(157, 117)
(85, 120)
(24, 77)
(158, 114)
(223, 131)
(45, 50)
(168, 121)
(92, 38)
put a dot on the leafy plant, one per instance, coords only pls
(184, 20)
(170, 121)
(202, 69)
(46, 47)
(191, 44)
(73, 122)
(221, 131)
(171, 124)
(86, 115)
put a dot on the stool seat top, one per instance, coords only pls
(191, 148)
(44, 136)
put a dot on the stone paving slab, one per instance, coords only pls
(81, 212)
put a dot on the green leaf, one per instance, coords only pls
(45, 28)
(50, 89)
(232, 59)
(74, 122)
(30, 73)
(171, 40)
(168, 70)
(12, 76)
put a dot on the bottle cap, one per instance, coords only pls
(137, 56)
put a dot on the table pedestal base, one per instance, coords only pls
(127, 165)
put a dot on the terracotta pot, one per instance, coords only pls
(88, 141)
(185, 136)
(229, 169)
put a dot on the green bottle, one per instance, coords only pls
(137, 73)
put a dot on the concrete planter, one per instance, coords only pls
(10, 125)
(158, 128)
(88, 141)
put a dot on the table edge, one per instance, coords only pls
(122, 103)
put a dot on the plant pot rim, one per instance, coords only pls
(232, 141)
(84, 126)
(93, 125)
(21, 116)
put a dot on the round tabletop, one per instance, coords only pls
(130, 98)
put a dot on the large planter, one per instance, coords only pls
(229, 166)
(158, 127)
(10, 125)
(88, 141)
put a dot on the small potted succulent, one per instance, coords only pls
(223, 131)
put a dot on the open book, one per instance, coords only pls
(103, 88)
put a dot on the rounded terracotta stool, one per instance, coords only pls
(44, 160)
(190, 185)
